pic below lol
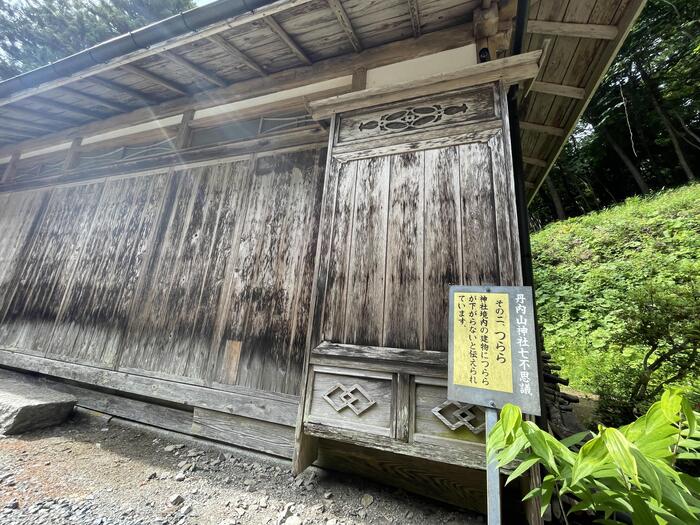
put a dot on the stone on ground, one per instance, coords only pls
(27, 404)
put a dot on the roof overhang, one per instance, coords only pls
(230, 51)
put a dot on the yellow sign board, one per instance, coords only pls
(482, 341)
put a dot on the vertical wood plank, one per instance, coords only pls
(480, 249)
(47, 270)
(94, 313)
(365, 298)
(403, 303)
(443, 247)
(336, 282)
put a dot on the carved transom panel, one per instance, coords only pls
(412, 118)
(355, 398)
(455, 415)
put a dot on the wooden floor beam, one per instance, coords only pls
(195, 69)
(237, 54)
(43, 115)
(156, 79)
(595, 31)
(30, 126)
(284, 36)
(345, 23)
(559, 90)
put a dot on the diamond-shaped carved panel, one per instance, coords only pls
(355, 398)
(455, 415)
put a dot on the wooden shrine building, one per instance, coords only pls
(241, 222)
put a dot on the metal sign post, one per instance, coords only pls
(493, 360)
(493, 481)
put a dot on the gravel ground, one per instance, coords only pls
(99, 471)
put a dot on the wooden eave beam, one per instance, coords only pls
(322, 70)
(156, 79)
(595, 31)
(68, 107)
(541, 128)
(237, 54)
(284, 36)
(415, 17)
(195, 69)
(119, 88)
(559, 90)
(95, 99)
(345, 23)
(507, 70)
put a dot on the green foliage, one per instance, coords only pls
(629, 470)
(36, 32)
(590, 175)
(613, 286)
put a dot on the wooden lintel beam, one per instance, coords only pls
(119, 88)
(541, 128)
(415, 17)
(11, 168)
(156, 79)
(68, 107)
(535, 162)
(195, 69)
(95, 99)
(595, 31)
(560, 90)
(237, 54)
(33, 113)
(284, 36)
(345, 23)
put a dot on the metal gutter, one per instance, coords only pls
(143, 38)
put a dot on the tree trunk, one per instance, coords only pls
(643, 186)
(556, 199)
(665, 120)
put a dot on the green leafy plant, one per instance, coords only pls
(627, 471)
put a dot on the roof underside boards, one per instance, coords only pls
(312, 30)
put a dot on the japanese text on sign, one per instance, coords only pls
(482, 341)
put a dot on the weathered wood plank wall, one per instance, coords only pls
(405, 227)
(179, 275)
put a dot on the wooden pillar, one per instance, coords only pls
(73, 154)
(184, 132)
(11, 168)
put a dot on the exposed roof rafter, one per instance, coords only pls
(559, 90)
(237, 53)
(596, 31)
(31, 126)
(156, 79)
(73, 109)
(345, 23)
(291, 44)
(95, 99)
(43, 115)
(195, 69)
(541, 128)
(119, 88)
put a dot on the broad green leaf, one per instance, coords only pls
(575, 439)
(590, 458)
(511, 418)
(621, 452)
(539, 445)
(642, 514)
(520, 469)
(648, 473)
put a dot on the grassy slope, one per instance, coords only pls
(585, 266)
